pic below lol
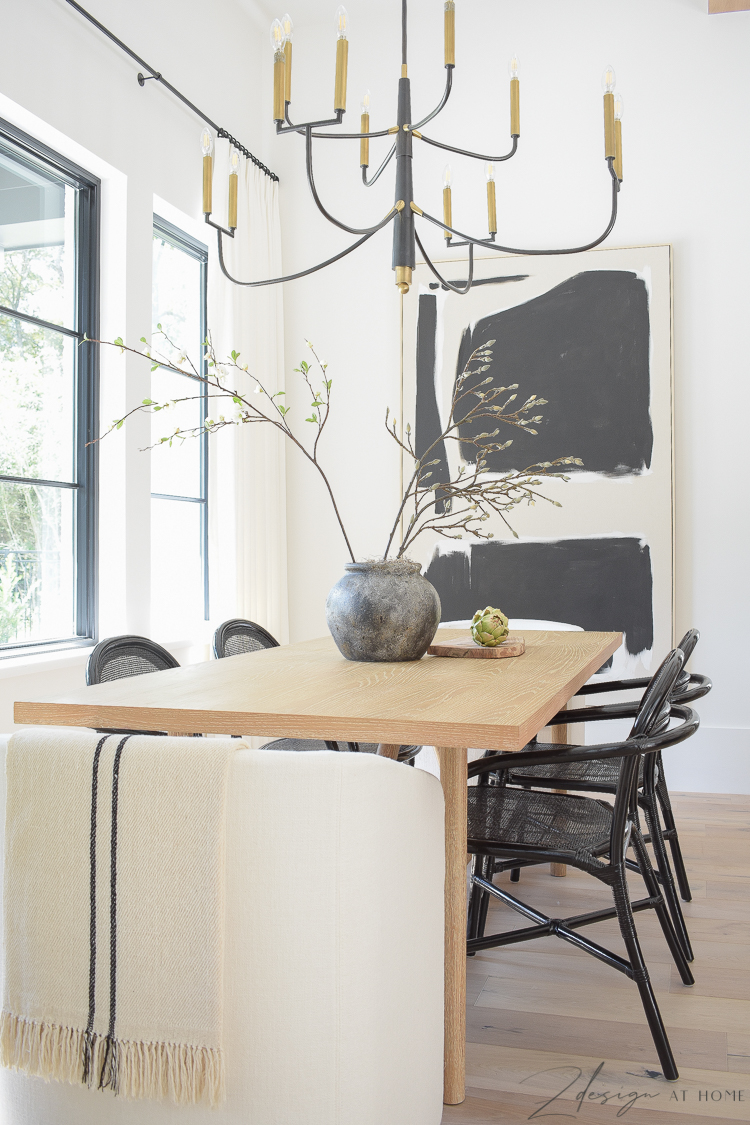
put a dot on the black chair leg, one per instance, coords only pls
(483, 866)
(654, 890)
(650, 807)
(640, 975)
(662, 794)
(515, 875)
(486, 871)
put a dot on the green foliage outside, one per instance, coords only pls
(35, 436)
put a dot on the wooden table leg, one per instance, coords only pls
(558, 734)
(386, 750)
(453, 775)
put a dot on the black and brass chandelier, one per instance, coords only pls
(405, 211)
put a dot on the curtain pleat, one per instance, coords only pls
(247, 486)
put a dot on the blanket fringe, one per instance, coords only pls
(179, 1071)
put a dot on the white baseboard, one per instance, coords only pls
(714, 760)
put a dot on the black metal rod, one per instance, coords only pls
(302, 273)
(449, 284)
(172, 89)
(319, 205)
(532, 253)
(473, 155)
(441, 103)
(403, 32)
(5, 311)
(291, 127)
(376, 177)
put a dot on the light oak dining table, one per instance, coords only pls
(308, 690)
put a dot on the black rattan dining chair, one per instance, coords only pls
(237, 636)
(653, 797)
(513, 828)
(117, 658)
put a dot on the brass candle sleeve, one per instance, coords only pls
(609, 126)
(288, 71)
(208, 175)
(515, 107)
(279, 82)
(450, 33)
(342, 58)
(618, 150)
(232, 211)
(491, 207)
(364, 144)
(447, 210)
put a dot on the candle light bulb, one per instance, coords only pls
(207, 141)
(447, 176)
(287, 27)
(277, 36)
(618, 107)
(489, 172)
(366, 102)
(234, 161)
(513, 66)
(608, 79)
(342, 22)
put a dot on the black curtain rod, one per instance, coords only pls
(155, 74)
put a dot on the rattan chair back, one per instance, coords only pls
(237, 636)
(119, 657)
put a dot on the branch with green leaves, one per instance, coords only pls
(462, 504)
(218, 381)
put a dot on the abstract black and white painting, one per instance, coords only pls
(591, 334)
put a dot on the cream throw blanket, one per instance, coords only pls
(114, 912)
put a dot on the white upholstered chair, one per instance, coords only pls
(333, 987)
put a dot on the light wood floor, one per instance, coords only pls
(543, 1015)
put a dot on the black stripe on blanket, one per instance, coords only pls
(109, 1074)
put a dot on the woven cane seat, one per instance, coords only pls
(555, 822)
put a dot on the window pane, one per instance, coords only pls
(37, 563)
(37, 243)
(175, 469)
(176, 568)
(37, 392)
(177, 299)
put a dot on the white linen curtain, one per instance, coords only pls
(247, 486)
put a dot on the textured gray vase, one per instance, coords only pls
(383, 611)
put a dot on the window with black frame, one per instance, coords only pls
(49, 397)
(179, 472)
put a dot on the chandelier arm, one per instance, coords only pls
(443, 100)
(529, 253)
(473, 155)
(302, 273)
(369, 183)
(346, 136)
(448, 284)
(319, 205)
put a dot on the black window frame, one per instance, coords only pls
(40, 157)
(181, 240)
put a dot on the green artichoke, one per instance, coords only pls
(489, 627)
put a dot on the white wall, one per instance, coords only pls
(684, 79)
(66, 84)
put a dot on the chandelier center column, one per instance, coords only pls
(403, 228)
